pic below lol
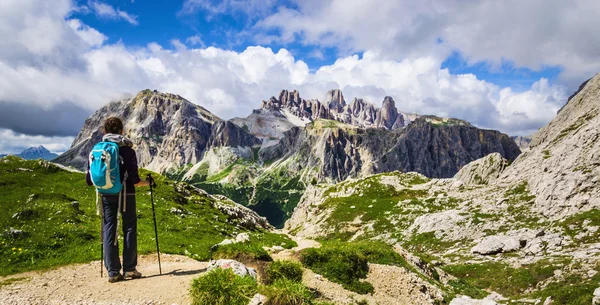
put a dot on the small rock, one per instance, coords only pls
(596, 299)
(548, 301)
(16, 233)
(226, 242)
(319, 277)
(237, 267)
(242, 237)
(353, 207)
(465, 300)
(277, 249)
(258, 299)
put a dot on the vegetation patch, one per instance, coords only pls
(287, 292)
(283, 270)
(571, 290)
(243, 252)
(11, 281)
(222, 287)
(577, 224)
(508, 281)
(546, 154)
(340, 263)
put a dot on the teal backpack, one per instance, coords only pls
(105, 168)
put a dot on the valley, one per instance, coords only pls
(458, 211)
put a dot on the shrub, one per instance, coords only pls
(243, 252)
(341, 263)
(284, 270)
(286, 292)
(222, 287)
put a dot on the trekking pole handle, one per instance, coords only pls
(151, 180)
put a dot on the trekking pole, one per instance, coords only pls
(101, 245)
(152, 184)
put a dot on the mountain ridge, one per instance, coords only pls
(33, 153)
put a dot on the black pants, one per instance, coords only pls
(110, 205)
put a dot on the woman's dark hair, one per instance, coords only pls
(113, 125)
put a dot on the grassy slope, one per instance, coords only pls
(38, 200)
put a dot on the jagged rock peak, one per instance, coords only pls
(290, 102)
(388, 115)
(334, 99)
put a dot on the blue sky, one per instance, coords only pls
(505, 65)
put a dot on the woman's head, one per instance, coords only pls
(113, 125)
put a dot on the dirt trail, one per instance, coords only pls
(81, 284)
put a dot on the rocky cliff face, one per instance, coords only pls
(167, 130)
(432, 146)
(439, 148)
(561, 165)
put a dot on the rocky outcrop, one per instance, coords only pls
(225, 133)
(297, 106)
(388, 116)
(439, 148)
(562, 163)
(334, 100)
(167, 131)
(482, 171)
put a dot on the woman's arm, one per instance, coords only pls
(143, 183)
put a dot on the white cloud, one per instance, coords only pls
(195, 40)
(76, 66)
(87, 34)
(107, 11)
(14, 143)
(532, 34)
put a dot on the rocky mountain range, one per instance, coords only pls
(34, 153)
(279, 114)
(287, 144)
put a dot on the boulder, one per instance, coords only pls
(237, 267)
(497, 244)
(242, 238)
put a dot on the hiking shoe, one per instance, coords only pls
(116, 278)
(133, 274)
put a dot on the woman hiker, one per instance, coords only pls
(113, 129)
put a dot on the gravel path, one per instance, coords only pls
(81, 284)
